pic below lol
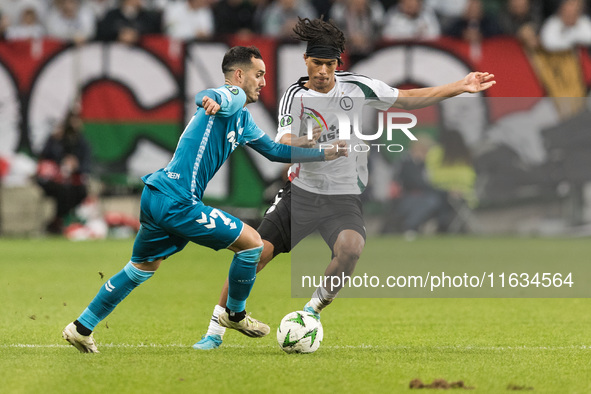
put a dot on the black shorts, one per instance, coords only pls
(329, 214)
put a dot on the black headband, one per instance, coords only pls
(323, 52)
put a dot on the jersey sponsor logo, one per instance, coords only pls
(232, 139)
(346, 103)
(173, 175)
(286, 121)
(317, 116)
(331, 135)
(233, 90)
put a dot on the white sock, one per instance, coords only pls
(214, 326)
(321, 299)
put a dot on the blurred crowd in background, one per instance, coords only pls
(437, 179)
(554, 25)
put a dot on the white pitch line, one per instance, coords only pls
(335, 347)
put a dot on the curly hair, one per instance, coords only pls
(319, 32)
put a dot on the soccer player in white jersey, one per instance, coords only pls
(325, 196)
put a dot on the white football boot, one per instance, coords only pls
(248, 326)
(81, 342)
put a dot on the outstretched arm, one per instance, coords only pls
(418, 98)
(303, 141)
(291, 154)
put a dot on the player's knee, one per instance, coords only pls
(348, 253)
(349, 246)
(251, 256)
(257, 241)
(250, 239)
(266, 257)
(148, 265)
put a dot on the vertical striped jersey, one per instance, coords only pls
(299, 107)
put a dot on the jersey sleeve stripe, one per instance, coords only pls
(204, 141)
(367, 91)
(346, 74)
(287, 99)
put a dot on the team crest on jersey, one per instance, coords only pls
(286, 121)
(232, 89)
(346, 103)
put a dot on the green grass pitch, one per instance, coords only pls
(370, 345)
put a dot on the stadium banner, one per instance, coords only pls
(136, 100)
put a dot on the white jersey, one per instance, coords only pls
(301, 106)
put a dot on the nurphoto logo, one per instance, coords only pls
(347, 128)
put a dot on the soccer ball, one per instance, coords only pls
(299, 332)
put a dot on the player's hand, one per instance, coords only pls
(210, 106)
(305, 142)
(478, 81)
(338, 149)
